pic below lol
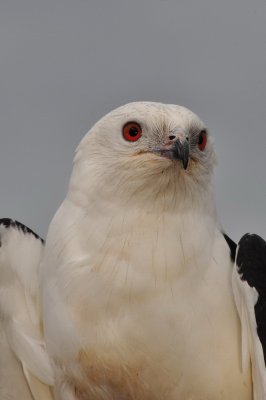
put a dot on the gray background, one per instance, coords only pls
(65, 63)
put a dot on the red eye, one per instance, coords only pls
(132, 131)
(202, 140)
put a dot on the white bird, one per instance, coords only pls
(132, 295)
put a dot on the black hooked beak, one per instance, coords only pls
(178, 151)
(181, 152)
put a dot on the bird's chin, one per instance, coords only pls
(169, 161)
(162, 162)
(159, 162)
(156, 157)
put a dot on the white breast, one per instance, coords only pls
(140, 306)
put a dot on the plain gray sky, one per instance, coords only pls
(65, 63)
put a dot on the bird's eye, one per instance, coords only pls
(202, 140)
(132, 131)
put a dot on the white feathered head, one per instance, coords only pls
(147, 149)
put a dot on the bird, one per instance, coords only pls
(137, 292)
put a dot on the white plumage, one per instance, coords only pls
(21, 325)
(134, 285)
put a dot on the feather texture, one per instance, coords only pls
(131, 297)
(136, 275)
(246, 297)
(20, 319)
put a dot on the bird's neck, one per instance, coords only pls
(159, 232)
(146, 229)
(168, 191)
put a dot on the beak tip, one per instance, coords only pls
(179, 151)
(182, 153)
(185, 164)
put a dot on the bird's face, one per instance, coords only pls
(144, 141)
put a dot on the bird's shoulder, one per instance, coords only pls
(251, 267)
(22, 341)
(249, 288)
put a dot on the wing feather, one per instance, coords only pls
(248, 288)
(20, 320)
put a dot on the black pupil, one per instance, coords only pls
(133, 131)
(201, 138)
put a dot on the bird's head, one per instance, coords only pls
(147, 148)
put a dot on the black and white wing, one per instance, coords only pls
(25, 369)
(249, 287)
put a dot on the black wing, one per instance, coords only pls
(249, 287)
(251, 265)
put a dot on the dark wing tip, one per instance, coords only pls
(8, 222)
(232, 246)
(251, 260)
(251, 265)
